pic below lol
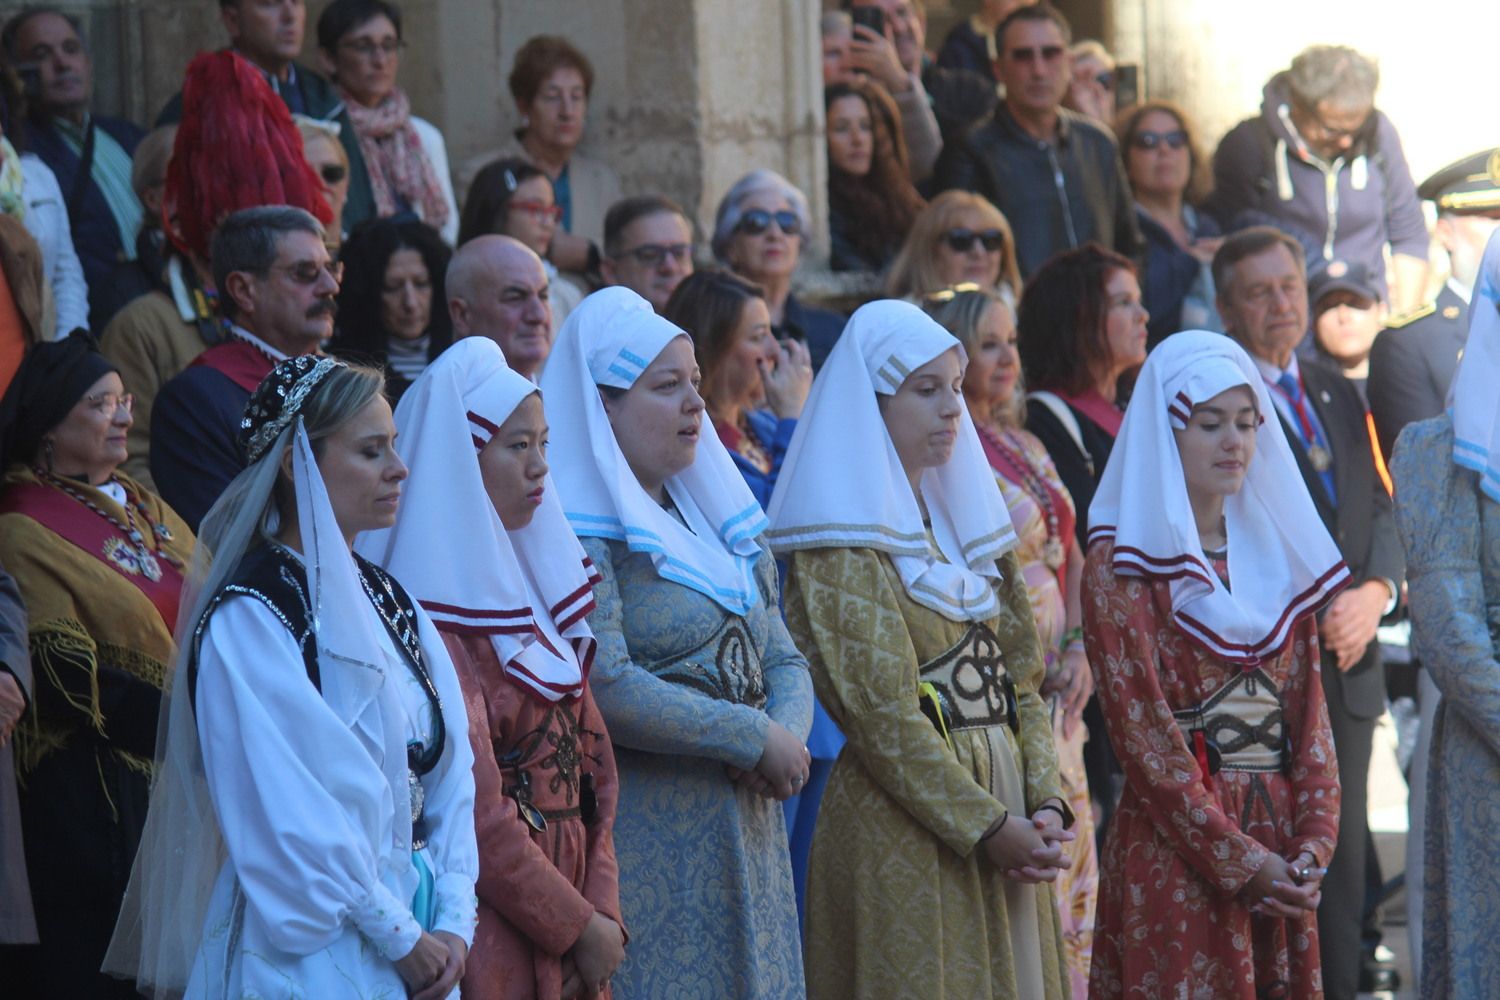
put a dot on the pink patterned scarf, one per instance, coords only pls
(397, 165)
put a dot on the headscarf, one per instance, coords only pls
(609, 340)
(1282, 561)
(842, 484)
(528, 589)
(182, 849)
(237, 147)
(1473, 401)
(51, 380)
(397, 163)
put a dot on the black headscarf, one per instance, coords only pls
(51, 380)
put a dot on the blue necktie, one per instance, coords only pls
(1308, 428)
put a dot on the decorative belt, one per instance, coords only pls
(534, 816)
(1239, 727)
(967, 686)
(418, 817)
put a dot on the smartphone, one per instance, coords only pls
(1127, 85)
(871, 17)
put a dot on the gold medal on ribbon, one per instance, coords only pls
(1318, 455)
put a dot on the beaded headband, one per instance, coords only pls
(278, 400)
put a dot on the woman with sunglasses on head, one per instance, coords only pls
(311, 830)
(1052, 563)
(99, 561)
(1206, 566)
(1168, 179)
(758, 232)
(943, 824)
(481, 542)
(510, 197)
(959, 238)
(392, 310)
(359, 46)
(871, 201)
(708, 702)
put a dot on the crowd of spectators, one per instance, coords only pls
(277, 210)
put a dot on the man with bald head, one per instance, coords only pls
(497, 288)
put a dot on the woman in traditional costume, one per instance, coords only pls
(482, 544)
(707, 701)
(1446, 495)
(311, 829)
(1052, 564)
(99, 562)
(1205, 567)
(944, 817)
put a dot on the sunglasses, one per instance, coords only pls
(963, 240)
(950, 293)
(332, 173)
(1175, 139)
(1105, 80)
(540, 209)
(1047, 53)
(653, 254)
(757, 221)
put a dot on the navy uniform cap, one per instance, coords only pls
(1470, 186)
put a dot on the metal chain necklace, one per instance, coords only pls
(144, 559)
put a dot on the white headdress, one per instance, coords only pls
(609, 340)
(529, 589)
(1282, 562)
(842, 484)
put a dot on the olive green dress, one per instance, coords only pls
(901, 901)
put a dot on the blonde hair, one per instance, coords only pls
(914, 271)
(961, 316)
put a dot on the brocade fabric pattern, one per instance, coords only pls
(900, 903)
(1172, 919)
(705, 874)
(1451, 533)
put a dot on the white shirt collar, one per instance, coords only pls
(1459, 289)
(256, 342)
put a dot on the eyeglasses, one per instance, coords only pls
(963, 240)
(757, 221)
(950, 293)
(1175, 139)
(307, 272)
(540, 209)
(1329, 132)
(366, 49)
(654, 254)
(333, 173)
(107, 404)
(1047, 53)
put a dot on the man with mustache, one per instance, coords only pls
(276, 287)
(89, 154)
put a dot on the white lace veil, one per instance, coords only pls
(182, 850)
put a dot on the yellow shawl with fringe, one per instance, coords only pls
(82, 613)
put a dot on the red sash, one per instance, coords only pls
(71, 520)
(241, 362)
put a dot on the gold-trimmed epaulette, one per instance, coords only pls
(1407, 318)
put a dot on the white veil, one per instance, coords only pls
(160, 925)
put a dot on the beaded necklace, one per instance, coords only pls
(1029, 477)
(145, 559)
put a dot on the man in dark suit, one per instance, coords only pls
(1262, 297)
(1412, 363)
(269, 34)
(90, 154)
(1414, 359)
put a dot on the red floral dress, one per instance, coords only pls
(1172, 920)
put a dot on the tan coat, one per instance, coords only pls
(149, 342)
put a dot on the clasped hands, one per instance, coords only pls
(1286, 889)
(783, 767)
(1029, 850)
(434, 965)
